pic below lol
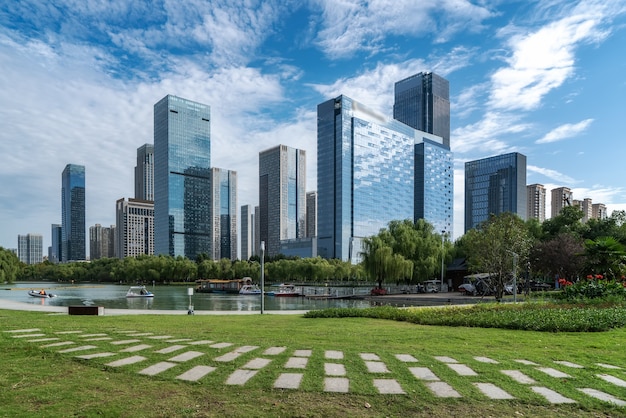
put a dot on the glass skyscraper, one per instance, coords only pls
(54, 254)
(73, 240)
(247, 232)
(495, 185)
(422, 101)
(144, 173)
(224, 213)
(282, 196)
(182, 174)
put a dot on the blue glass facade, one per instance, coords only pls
(224, 214)
(182, 154)
(73, 241)
(495, 185)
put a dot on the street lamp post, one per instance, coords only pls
(262, 276)
(442, 255)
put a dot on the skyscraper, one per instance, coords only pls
(561, 197)
(247, 232)
(223, 212)
(30, 248)
(586, 207)
(282, 196)
(144, 173)
(182, 156)
(101, 241)
(54, 255)
(493, 186)
(73, 243)
(134, 228)
(536, 200)
(422, 101)
(311, 214)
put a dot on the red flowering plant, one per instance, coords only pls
(597, 287)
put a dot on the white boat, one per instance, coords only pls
(250, 289)
(139, 292)
(285, 290)
(41, 294)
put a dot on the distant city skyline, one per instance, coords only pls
(541, 78)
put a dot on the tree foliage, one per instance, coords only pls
(10, 266)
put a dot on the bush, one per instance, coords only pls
(595, 287)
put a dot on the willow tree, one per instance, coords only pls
(381, 264)
(10, 266)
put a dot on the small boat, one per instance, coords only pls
(250, 289)
(139, 292)
(41, 294)
(286, 290)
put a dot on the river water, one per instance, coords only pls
(166, 298)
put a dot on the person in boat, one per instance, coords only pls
(42, 292)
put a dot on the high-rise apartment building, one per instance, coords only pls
(561, 197)
(585, 207)
(223, 193)
(30, 248)
(101, 242)
(422, 101)
(182, 177)
(311, 214)
(598, 211)
(144, 173)
(536, 202)
(134, 231)
(54, 254)
(282, 196)
(247, 232)
(73, 240)
(493, 186)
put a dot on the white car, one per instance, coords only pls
(468, 288)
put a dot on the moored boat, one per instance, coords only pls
(139, 292)
(41, 294)
(286, 290)
(250, 289)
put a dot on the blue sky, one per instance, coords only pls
(79, 79)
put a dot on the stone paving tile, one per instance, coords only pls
(388, 386)
(334, 369)
(246, 348)
(551, 396)
(302, 353)
(608, 366)
(157, 368)
(221, 345)
(486, 360)
(59, 344)
(274, 351)
(240, 377)
(553, 372)
(81, 348)
(95, 355)
(257, 363)
(160, 337)
(462, 369)
(333, 355)
(442, 390)
(296, 363)
(594, 393)
(369, 357)
(170, 349)
(128, 331)
(527, 362)
(22, 330)
(406, 358)
(140, 334)
(189, 355)
(519, 377)
(135, 348)
(126, 361)
(569, 364)
(206, 342)
(445, 359)
(288, 381)
(98, 339)
(178, 340)
(612, 379)
(423, 373)
(196, 373)
(123, 342)
(68, 332)
(41, 340)
(492, 391)
(228, 357)
(376, 367)
(28, 335)
(336, 384)
(91, 335)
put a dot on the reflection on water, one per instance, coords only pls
(166, 298)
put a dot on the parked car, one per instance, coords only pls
(432, 286)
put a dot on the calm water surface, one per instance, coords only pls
(166, 298)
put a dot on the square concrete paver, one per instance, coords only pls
(228, 357)
(22, 330)
(446, 359)
(526, 362)
(612, 379)
(126, 361)
(196, 373)
(140, 334)
(608, 366)
(492, 391)
(296, 363)
(333, 355)
(274, 351)
(553, 372)
(240, 377)
(288, 381)
(135, 348)
(406, 358)
(221, 345)
(124, 342)
(485, 360)
(157, 368)
(369, 357)
(180, 340)
(170, 349)
(257, 363)
(98, 339)
(42, 340)
(423, 373)
(551, 396)
(442, 390)
(81, 348)
(334, 369)
(28, 335)
(462, 369)
(189, 355)
(302, 353)
(95, 355)
(594, 393)
(388, 386)
(59, 344)
(519, 377)
(160, 337)
(202, 342)
(569, 364)
(91, 335)
(336, 384)
(376, 367)
(68, 332)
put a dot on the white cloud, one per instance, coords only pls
(565, 131)
(552, 175)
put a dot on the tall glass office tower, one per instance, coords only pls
(224, 213)
(247, 232)
(54, 254)
(182, 156)
(282, 196)
(495, 185)
(422, 101)
(144, 173)
(73, 240)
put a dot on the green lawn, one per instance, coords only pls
(39, 381)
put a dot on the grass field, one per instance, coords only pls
(38, 381)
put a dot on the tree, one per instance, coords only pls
(569, 220)
(381, 264)
(495, 245)
(10, 266)
(605, 256)
(558, 256)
